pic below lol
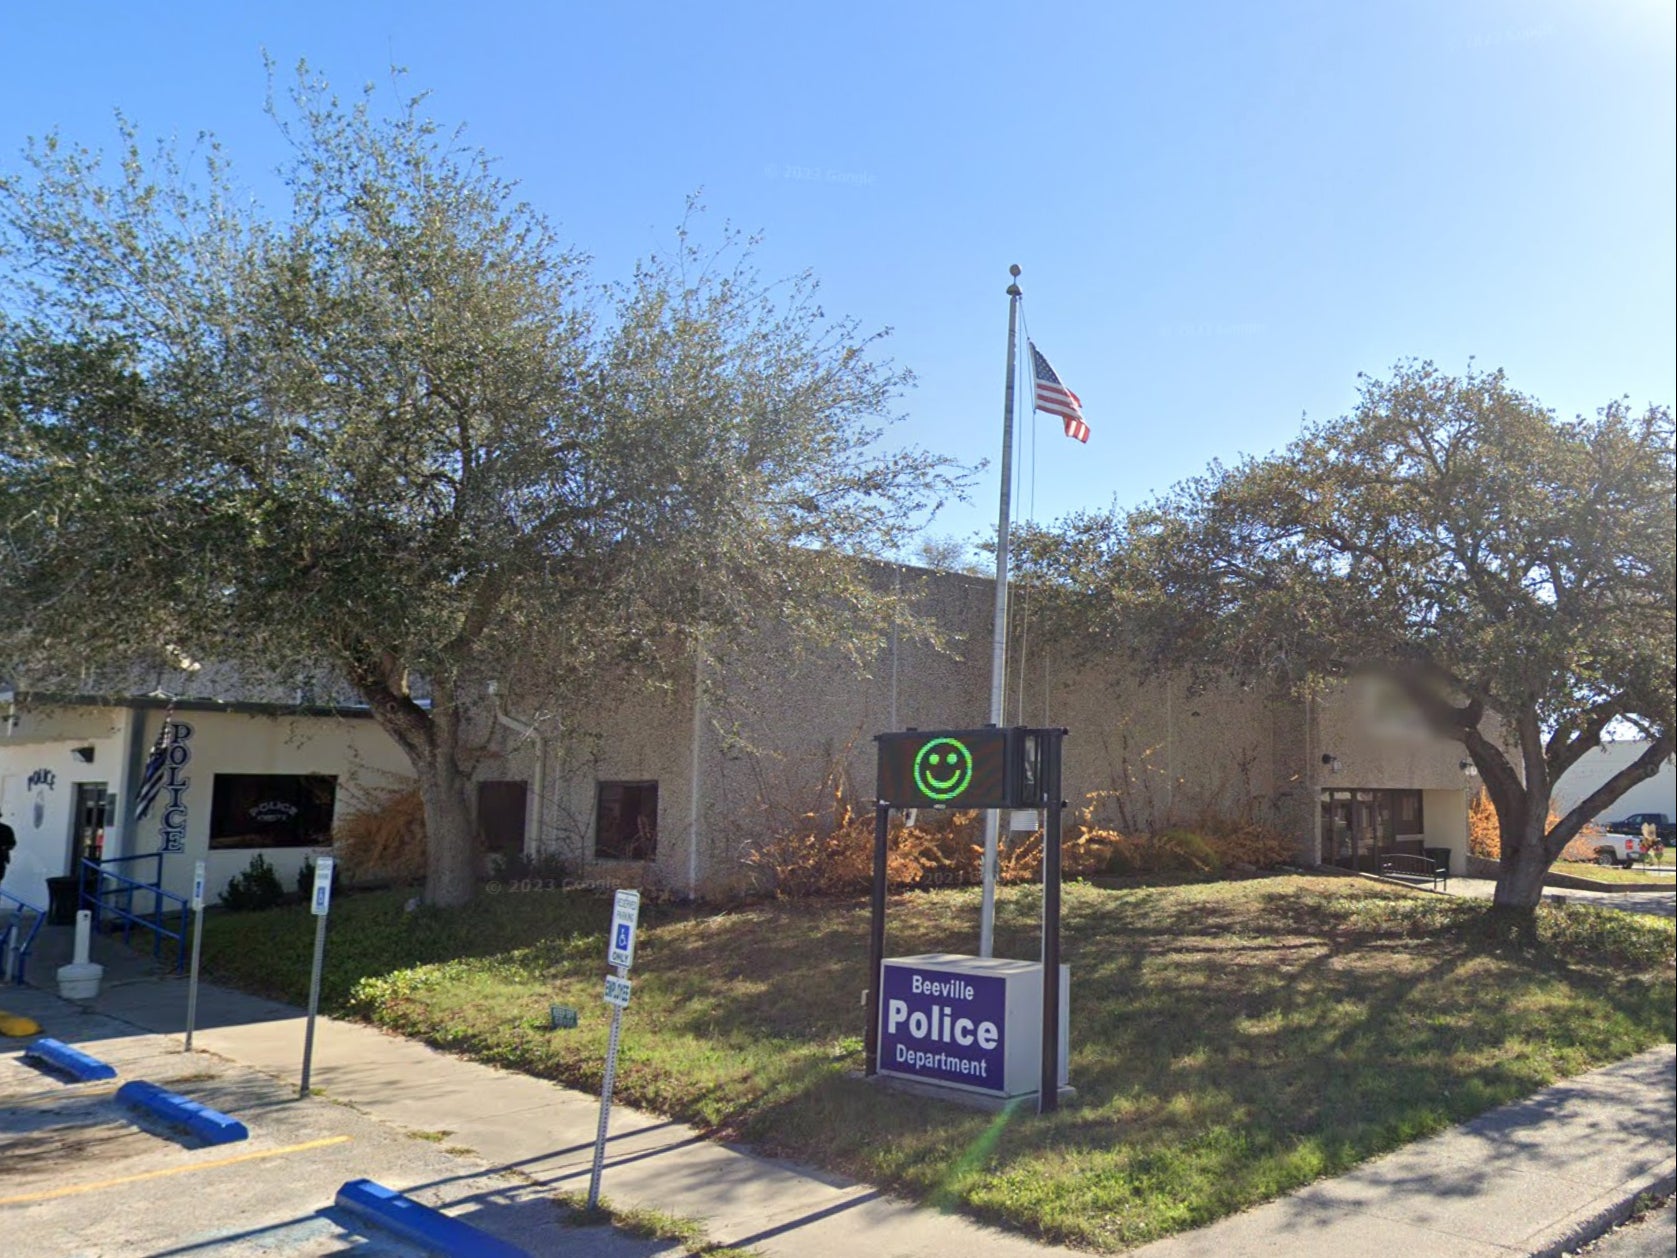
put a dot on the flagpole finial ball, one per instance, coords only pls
(1014, 270)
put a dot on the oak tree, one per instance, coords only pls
(392, 428)
(1510, 571)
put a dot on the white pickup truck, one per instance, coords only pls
(1620, 849)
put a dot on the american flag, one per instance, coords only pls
(151, 779)
(1053, 396)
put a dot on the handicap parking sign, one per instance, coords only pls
(625, 917)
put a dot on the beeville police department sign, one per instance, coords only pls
(945, 1026)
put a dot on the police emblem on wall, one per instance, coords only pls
(40, 781)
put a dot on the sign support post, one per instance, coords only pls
(320, 905)
(876, 935)
(620, 955)
(1048, 1099)
(197, 949)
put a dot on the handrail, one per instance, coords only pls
(126, 887)
(22, 951)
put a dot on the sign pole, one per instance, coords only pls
(998, 644)
(197, 949)
(876, 936)
(1048, 1097)
(320, 905)
(605, 1101)
(620, 955)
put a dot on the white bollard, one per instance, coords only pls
(80, 979)
(84, 936)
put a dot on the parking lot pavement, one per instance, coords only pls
(86, 1176)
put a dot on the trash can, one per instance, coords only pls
(1440, 857)
(63, 895)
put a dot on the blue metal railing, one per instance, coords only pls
(102, 889)
(14, 931)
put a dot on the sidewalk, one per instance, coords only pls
(539, 1132)
(1657, 901)
(1532, 1177)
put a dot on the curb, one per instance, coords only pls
(1572, 882)
(1596, 1220)
(432, 1229)
(72, 1061)
(209, 1125)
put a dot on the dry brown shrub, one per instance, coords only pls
(385, 839)
(830, 852)
(1243, 841)
(1484, 837)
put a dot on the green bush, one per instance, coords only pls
(258, 887)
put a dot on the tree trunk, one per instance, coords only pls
(429, 738)
(449, 875)
(1519, 884)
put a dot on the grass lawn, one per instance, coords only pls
(1634, 876)
(1229, 1041)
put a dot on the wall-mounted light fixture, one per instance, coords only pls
(1331, 761)
(1468, 768)
(82, 755)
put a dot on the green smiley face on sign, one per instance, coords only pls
(943, 769)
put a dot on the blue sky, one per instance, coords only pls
(1224, 211)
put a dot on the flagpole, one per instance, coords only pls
(998, 647)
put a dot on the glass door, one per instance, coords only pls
(87, 825)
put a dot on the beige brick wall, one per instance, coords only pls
(1167, 750)
(777, 727)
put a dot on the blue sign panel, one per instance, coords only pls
(943, 1026)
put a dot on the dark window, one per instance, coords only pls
(1407, 807)
(272, 809)
(626, 821)
(500, 816)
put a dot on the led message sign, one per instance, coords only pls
(960, 768)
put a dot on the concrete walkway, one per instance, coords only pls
(1656, 901)
(1529, 1178)
(1541, 1176)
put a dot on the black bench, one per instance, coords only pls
(1405, 867)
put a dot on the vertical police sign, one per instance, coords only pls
(320, 904)
(620, 953)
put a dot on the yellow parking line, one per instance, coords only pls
(255, 1156)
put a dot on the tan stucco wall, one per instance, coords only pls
(39, 744)
(1378, 748)
(1444, 814)
(355, 750)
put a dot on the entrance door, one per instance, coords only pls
(1357, 826)
(87, 825)
(1338, 831)
(1367, 822)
